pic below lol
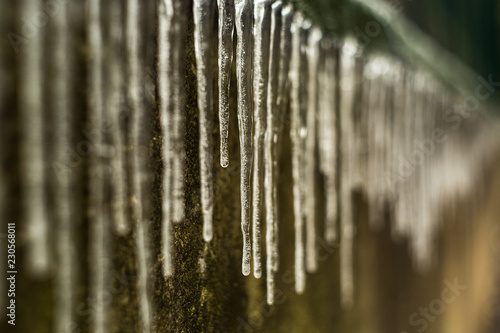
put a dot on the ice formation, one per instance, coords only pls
(356, 121)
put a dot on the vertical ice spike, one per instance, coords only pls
(348, 85)
(270, 149)
(327, 136)
(226, 30)
(137, 12)
(32, 161)
(244, 47)
(204, 38)
(262, 14)
(98, 214)
(64, 182)
(298, 75)
(172, 15)
(310, 148)
(114, 102)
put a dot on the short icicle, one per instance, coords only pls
(204, 38)
(244, 46)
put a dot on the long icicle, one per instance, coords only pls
(281, 116)
(327, 140)
(347, 94)
(262, 14)
(204, 37)
(98, 224)
(296, 134)
(139, 140)
(226, 30)
(177, 103)
(32, 161)
(310, 152)
(269, 149)
(171, 32)
(165, 13)
(244, 47)
(63, 115)
(114, 98)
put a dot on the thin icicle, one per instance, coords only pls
(32, 162)
(285, 50)
(171, 32)
(114, 98)
(165, 13)
(98, 222)
(176, 40)
(310, 152)
(262, 25)
(135, 34)
(244, 47)
(347, 97)
(226, 29)
(297, 131)
(269, 149)
(62, 108)
(204, 39)
(327, 140)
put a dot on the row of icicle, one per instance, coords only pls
(360, 120)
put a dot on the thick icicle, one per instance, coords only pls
(327, 140)
(269, 150)
(244, 47)
(204, 38)
(98, 215)
(139, 139)
(63, 116)
(348, 85)
(262, 14)
(298, 74)
(32, 161)
(226, 29)
(310, 149)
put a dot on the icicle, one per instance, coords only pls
(244, 46)
(176, 40)
(327, 141)
(113, 103)
(98, 222)
(310, 152)
(138, 139)
(262, 23)
(171, 32)
(269, 150)
(348, 63)
(226, 29)
(204, 38)
(285, 50)
(62, 108)
(298, 75)
(32, 161)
